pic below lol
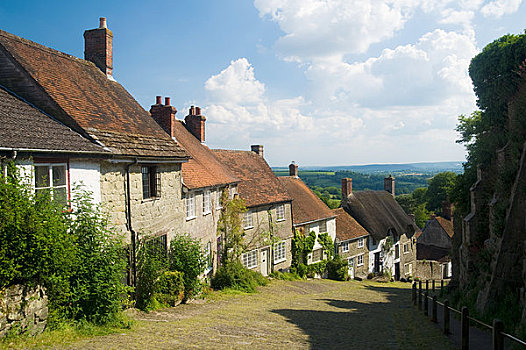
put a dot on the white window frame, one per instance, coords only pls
(232, 191)
(207, 257)
(359, 260)
(218, 193)
(280, 252)
(345, 247)
(250, 259)
(322, 227)
(280, 212)
(408, 269)
(51, 186)
(406, 245)
(248, 220)
(361, 242)
(190, 205)
(207, 202)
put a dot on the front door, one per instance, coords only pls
(264, 263)
(397, 271)
(350, 268)
(377, 262)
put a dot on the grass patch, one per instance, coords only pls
(66, 333)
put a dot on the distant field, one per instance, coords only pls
(304, 172)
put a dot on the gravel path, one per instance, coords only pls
(318, 314)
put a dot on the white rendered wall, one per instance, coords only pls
(86, 173)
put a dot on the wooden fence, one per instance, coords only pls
(421, 299)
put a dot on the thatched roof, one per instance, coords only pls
(378, 212)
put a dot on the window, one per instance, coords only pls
(345, 247)
(313, 227)
(397, 251)
(361, 243)
(151, 182)
(158, 246)
(219, 194)
(408, 268)
(247, 220)
(323, 226)
(190, 206)
(406, 247)
(280, 212)
(317, 255)
(359, 260)
(207, 202)
(207, 256)
(53, 178)
(232, 191)
(250, 259)
(280, 252)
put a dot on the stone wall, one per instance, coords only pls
(23, 309)
(427, 270)
(354, 251)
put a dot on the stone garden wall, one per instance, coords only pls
(23, 309)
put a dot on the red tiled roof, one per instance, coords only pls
(98, 105)
(258, 185)
(306, 206)
(204, 169)
(346, 226)
(447, 225)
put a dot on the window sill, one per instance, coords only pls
(207, 213)
(279, 261)
(248, 228)
(359, 265)
(151, 199)
(188, 218)
(345, 251)
(280, 220)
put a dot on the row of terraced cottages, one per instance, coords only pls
(66, 121)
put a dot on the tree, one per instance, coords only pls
(439, 189)
(230, 228)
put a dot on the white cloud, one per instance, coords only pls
(499, 8)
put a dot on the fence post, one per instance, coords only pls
(426, 312)
(420, 295)
(427, 285)
(433, 285)
(413, 294)
(434, 313)
(497, 338)
(441, 284)
(464, 332)
(446, 316)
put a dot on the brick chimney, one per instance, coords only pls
(447, 210)
(98, 47)
(164, 115)
(346, 187)
(195, 123)
(389, 185)
(258, 149)
(293, 169)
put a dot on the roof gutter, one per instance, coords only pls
(51, 150)
(312, 221)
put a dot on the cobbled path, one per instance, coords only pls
(317, 314)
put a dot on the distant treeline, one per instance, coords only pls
(330, 181)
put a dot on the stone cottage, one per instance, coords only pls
(269, 212)
(132, 166)
(204, 177)
(309, 213)
(391, 245)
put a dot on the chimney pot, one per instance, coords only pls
(258, 149)
(197, 111)
(346, 188)
(158, 100)
(164, 115)
(195, 123)
(102, 22)
(167, 101)
(293, 169)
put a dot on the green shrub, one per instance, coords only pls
(186, 256)
(72, 254)
(169, 288)
(337, 269)
(300, 270)
(316, 268)
(152, 262)
(234, 275)
(286, 276)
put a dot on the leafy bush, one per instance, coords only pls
(236, 276)
(316, 268)
(72, 254)
(300, 270)
(337, 269)
(152, 262)
(186, 256)
(286, 276)
(169, 288)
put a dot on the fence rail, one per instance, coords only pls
(421, 299)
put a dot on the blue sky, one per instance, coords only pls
(320, 82)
